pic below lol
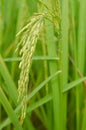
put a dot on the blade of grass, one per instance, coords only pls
(8, 80)
(34, 58)
(82, 49)
(81, 57)
(65, 27)
(9, 110)
(55, 88)
(74, 6)
(73, 84)
(55, 120)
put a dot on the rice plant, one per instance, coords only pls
(42, 65)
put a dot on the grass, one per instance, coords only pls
(52, 35)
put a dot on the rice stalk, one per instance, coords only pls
(27, 43)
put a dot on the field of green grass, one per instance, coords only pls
(42, 65)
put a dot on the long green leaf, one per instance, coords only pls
(73, 84)
(4, 101)
(8, 80)
(65, 50)
(34, 58)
